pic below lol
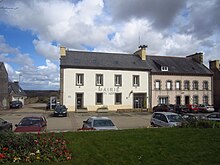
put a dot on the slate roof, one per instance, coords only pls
(14, 87)
(117, 61)
(176, 65)
(97, 60)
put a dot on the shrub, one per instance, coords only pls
(202, 124)
(33, 147)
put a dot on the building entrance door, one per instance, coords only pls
(79, 100)
(139, 101)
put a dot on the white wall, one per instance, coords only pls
(90, 89)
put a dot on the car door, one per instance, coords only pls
(163, 121)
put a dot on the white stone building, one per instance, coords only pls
(92, 81)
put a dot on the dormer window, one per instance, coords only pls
(164, 68)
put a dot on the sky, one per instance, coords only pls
(31, 32)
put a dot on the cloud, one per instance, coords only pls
(203, 18)
(160, 13)
(13, 55)
(46, 49)
(40, 77)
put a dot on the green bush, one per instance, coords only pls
(202, 124)
(33, 148)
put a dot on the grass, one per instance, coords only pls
(161, 146)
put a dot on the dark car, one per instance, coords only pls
(32, 124)
(60, 110)
(5, 126)
(16, 104)
(161, 108)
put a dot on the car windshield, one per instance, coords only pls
(103, 123)
(30, 122)
(175, 118)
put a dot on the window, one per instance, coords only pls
(136, 80)
(164, 68)
(118, 99)
(163, 100)
(186, 85)
(205, 85)
(157, 84)
(118, 80)
(205, 100)
(99, 98)
(195, 100)
(169, 85)
(99, 80)
(178, 85)
(79, 79)
(195, 85)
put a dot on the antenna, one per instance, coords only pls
(139, 38)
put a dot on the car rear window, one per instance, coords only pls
(30, 121)
(103, 123)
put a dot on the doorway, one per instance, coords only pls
(139, 101)
(79, 100)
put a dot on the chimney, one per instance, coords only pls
(198, 57)
(142, 52)
(62, 51)
(213, 65)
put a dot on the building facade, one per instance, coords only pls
(96, 81)
(4, 97)
(215, 67)
(180, 80)
(90, 80)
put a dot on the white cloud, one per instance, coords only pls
(46, 49)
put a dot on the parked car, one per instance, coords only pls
(98, 123)
(60, 110)
(16, 104)
(31, 124)
(161, 108)
(166, 119)
(214, 117)
(193, 108)
(206, 108)
(5, 126)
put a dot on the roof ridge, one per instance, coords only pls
(112, 53)
(166, 56)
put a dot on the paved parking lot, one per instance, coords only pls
(74, 120)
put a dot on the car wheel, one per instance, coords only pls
(152, 124)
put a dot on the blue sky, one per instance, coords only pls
(31, 32)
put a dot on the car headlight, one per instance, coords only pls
(55, 112)
(64, 112)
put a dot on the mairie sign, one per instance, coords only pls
(108, 90)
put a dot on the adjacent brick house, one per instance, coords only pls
(180, 80)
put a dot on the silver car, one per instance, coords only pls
(98, 123)
(166, 119)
